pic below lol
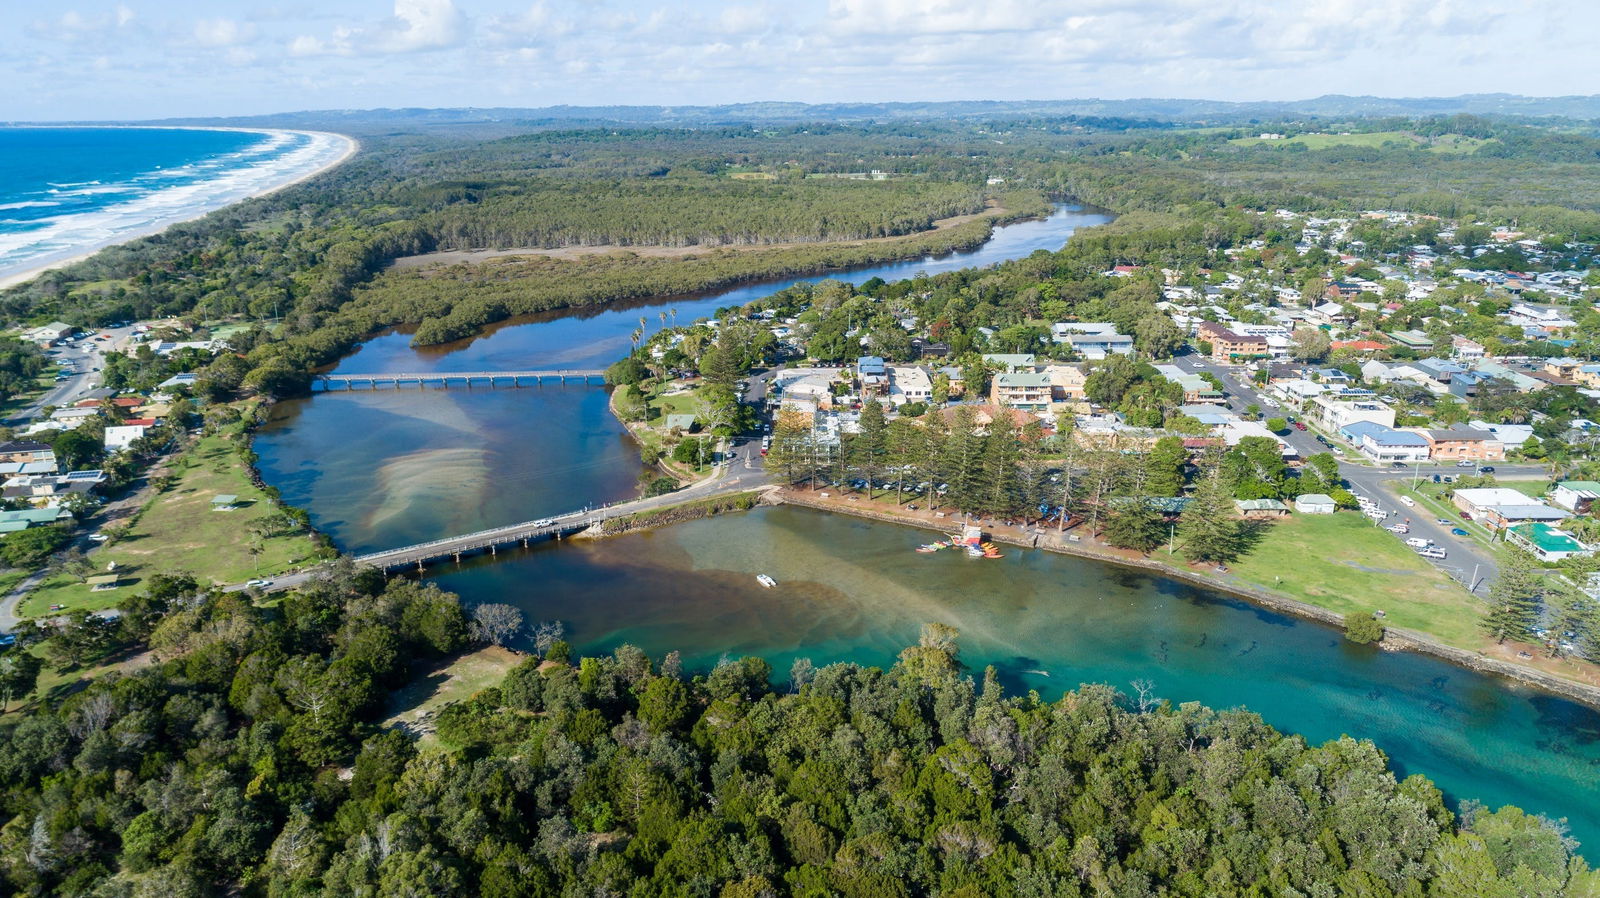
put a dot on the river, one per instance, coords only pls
(379, 469)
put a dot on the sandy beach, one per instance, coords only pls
(326, 151)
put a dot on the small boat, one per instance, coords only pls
(766, 581)
(930, 547)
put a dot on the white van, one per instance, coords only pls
(1432, 553)
(1406, 500)
(1416, 543)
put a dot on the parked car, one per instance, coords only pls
(1299, 426)
(1397, 464)
(1398, 528)
(1433, 553)
(1445, 521)
(1486, 469)
(1464, 464)
(1407, 501)
(1418, 543)
(1457, 531)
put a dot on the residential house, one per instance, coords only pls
(925, 349)
(1466, 349)
(1463, 444)
(873, 375)
(1067, 383)
(27, 452)
(908, 383)
(1507, 434)
(1196, 389)
(123, 436)
(1099, 346)
(1026, 390)
(1547, 543)
(1412, 339)
(1498, 507)
(22, 519)
(1575, 496)
(1333, 414)
(1010, 361)
(1385, 445)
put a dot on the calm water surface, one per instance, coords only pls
(852, 590)
(395, 467)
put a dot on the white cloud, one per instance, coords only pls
(222, 32)
(415, 26)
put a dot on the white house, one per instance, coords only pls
(908, 383)
(122, 436)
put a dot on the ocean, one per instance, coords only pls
(66, 191)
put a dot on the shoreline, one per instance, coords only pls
(1394, 639)
(158, 225)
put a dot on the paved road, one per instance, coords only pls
(1378, 484)
(85, 356)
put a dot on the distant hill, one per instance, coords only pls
(781, 113)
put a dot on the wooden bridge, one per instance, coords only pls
(446, 379)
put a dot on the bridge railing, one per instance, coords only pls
(557, 522)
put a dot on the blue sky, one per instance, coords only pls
(131, 59)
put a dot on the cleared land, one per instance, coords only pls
(179, 531)
(413, 707)
(1449, 143)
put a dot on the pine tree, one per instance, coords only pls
(1209, 529)
(1133, 524)
(1001, 486)
(1569, 613)
(868, 448)
(1514, 597)
(961, 460)
(1166, 461)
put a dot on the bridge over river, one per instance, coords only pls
(446, 379)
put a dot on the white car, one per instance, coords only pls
(1407, 501)
(1433, 553)
(98, 537)
(1416, 543)
(259, 583)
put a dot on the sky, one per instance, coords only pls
(140, 59)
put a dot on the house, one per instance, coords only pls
(1385, 445)
(1359, 345)
(123, 436)
(1465, 348)
(925, 349)
(48, 490)
(1067, 383)
(1464, 444)
(1315, 503)
(873, 374)
(1412, 339)
(1229, 347)
(1196, 389)
(50, 334)
(1498, 507)
(1092, 339)
(1026, 390)
(1010, 361)
(1507, 434)
(26, 451)
(1546, 542)
(12, 521)
(908, 383)
(1575, 496)
(1261, 508)
(1333, 414)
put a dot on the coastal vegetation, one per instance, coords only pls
(246, 758)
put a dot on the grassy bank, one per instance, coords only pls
(1342, 563)
(178, 530)
(685, 511)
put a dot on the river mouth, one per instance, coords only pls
(388, 468)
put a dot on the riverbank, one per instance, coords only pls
(1395, 638)
(324, 152)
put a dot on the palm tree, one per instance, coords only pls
(663, 317)
(642, 321)
(674, 313)
(635, 336)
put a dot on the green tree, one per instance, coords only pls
(1133, 524)
(1210, 529)
(868, 449)
(1362, 628)
(1514, 597)
(19, 673)
(1165, 466)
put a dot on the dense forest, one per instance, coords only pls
(245, 760)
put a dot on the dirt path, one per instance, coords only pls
(469, 256)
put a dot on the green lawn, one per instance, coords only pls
(1343, 563)
(179, 531)
(458, 680)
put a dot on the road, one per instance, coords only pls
(1464, 556)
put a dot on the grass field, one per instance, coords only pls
(458, 680)
(179, 531)
(1449, 143)
(1343, 563)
